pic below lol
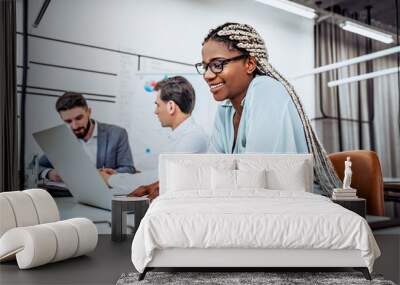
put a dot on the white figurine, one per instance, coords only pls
(347, 174)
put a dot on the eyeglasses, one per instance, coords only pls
(217, 65)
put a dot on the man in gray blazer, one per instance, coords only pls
(106, 145)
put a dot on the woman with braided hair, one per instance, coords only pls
(261, 112)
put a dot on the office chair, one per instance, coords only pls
(367, 177)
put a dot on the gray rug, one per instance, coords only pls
(230, 278)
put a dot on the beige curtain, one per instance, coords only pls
(340, 109)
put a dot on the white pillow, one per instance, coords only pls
(237, 179)
(183, 178)
(223, 179)
(251, 178)
(186, 175)
(282, 174)
(292, 179)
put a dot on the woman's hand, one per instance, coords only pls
(139, 192)
(151, 190)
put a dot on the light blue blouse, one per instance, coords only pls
(269, 123)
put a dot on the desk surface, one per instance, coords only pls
(391, 180)
(68, 209)
(391, 184)
(102, 266)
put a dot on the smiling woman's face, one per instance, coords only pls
(236, 75)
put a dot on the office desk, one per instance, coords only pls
(68, 209)
(391, 187)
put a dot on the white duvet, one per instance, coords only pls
(250, 219)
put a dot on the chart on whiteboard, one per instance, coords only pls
(136, 106)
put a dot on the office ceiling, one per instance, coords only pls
(382, 11)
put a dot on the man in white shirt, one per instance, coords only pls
(174, 105)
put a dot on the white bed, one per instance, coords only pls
(206, 220)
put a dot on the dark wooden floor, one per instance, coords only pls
(102, 266)
(110, 259)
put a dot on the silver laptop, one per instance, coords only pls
(66, 154)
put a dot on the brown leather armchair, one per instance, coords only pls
(366, 178)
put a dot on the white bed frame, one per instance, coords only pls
(234, 257)
(246, 257)
(256, 258)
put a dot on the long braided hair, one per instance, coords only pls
(245, 38)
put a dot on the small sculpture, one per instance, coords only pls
(347, 174)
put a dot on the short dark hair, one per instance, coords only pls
(70, 100)
(179, 90)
